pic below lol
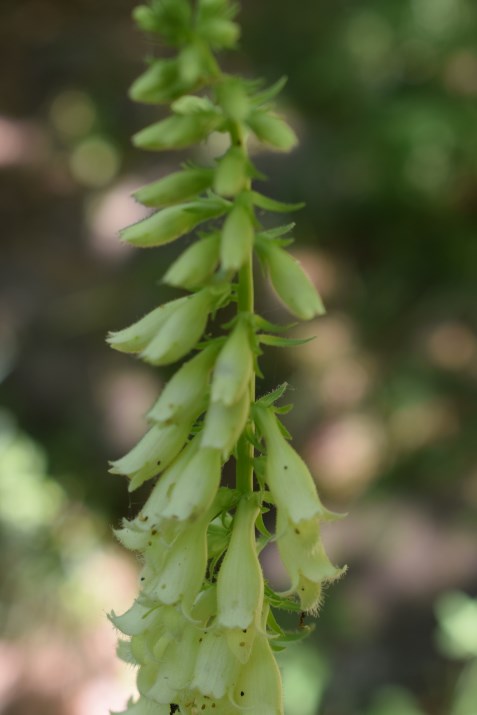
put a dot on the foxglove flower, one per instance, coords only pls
(240, 580)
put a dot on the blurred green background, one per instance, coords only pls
(384, 98)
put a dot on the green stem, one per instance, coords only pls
(246, 304)
(245, 450)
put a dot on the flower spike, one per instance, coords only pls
(203, 629)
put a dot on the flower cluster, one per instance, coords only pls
(203, 631)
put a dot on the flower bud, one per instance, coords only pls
(183, 571)
(291, 283)
(159, 83)
(233, 98)
(181, 331)
(234, 367)
(224, 425)
(258, 689)
(175, 188)
(196, 265)
(220, 33)
(196, 487)
(231, 173)
(272, 130)
(238, 235)
(240, 580)
(186, 390)
(304, 558)
(216, 667)
(172, 222)
(136, 337)
(177, 131)
(153, 453)
(287, 475)
(151, 513)
(191, 64)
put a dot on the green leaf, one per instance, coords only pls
(284, 603)
(268, 204)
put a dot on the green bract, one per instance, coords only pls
(203, 628)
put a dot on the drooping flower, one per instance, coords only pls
(186, 391)
(304, 557)
(258, 688)
(240, 582)
(287, 475)
(153, 453)
(216, 666)
(182, 573)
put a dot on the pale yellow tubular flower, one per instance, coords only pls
(186, 390)
(196, 487)
(240, 584)
(153, 453)
(182, 574)
(287, 475)
(258, 690)
(224, 425)
(216, 667)
(302, 552)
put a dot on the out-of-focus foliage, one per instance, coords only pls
(384, 98)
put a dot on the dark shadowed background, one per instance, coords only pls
(384, 98)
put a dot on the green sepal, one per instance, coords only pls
(175, 188)
(284, 603)
(272, 130)
(263, 324)
(264, 202)
(170, 223)
(274, 233)
(196, 264)
(178, 131)
(266, 95)
(277, 341)
(270, 398)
